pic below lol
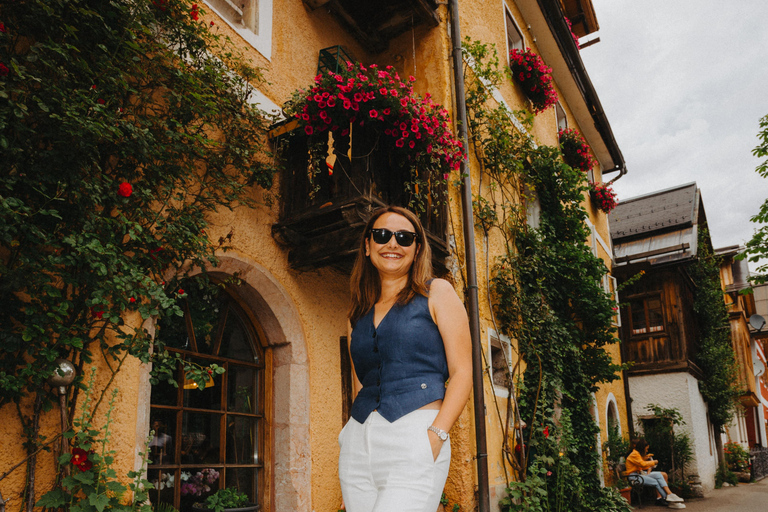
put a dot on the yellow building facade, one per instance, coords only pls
(296, 317)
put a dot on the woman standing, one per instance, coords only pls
(408, 335)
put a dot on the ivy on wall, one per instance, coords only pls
(548, 297)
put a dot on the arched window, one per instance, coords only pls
(210, 438)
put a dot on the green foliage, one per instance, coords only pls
(736, 457)
(561, 318)
(757, 247)
(91, 484)
(672, 449)
(715, 356)
(225, 498)
(122, 126)
(616, 448)
(725, 475)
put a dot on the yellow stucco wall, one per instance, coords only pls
(319, 298)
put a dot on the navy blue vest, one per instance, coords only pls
(401, 364)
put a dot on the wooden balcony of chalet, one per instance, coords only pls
(375, 23)
(659, 332)
(321, 219)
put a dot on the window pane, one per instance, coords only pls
(514, 38)
(164, 482)
(200, 438)
(242, 440)
(236, 341)
(208, 398)
(161, 446)
(243, 389)
(655, 318)
(197, 484)
(172, 331)
(638, 317)
(244, 480)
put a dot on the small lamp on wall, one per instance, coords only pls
(63, 375)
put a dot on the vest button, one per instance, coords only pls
(423, 385)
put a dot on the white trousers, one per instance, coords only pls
(389, 467)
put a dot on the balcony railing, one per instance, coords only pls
(322, 214)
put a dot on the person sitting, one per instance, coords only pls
(640, 466)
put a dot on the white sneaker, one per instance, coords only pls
(674, 498)
(675, 505)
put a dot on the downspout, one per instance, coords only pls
(471, 265)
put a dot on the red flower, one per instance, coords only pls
(194, 13)
(97, 312)
(78, 456)
(4, 70)
(308, 130)
(373, 113)
(132, 300)
(546, 431)
(2, 27)
(100, 101)
(85, 466)
(125, 189)
(181, 291)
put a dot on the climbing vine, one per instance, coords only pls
(547, 294)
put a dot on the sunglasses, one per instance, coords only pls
(403, 238)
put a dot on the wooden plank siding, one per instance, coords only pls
(673, 347)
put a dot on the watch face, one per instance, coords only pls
(443, 436)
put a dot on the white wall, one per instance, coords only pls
(679, 391)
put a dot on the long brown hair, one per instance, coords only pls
(365, 284)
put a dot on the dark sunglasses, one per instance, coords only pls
(403, 238)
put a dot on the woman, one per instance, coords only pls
(408, 334)
(639, 467)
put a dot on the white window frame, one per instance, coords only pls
(261, 39)
(499, 342)
(507, 18)
(560, 116)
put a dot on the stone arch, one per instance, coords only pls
(277, 315)
(612, 412)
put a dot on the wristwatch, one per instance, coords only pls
(442, 434)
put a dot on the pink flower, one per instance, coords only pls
(308, 130)
(373, 113)
(383, 91)
(400, 143)
(411, 144)
(125, 189)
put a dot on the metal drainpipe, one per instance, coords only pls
(471, 265)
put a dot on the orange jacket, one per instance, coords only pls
(635, 462)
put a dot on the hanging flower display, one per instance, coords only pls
(415, 131)
(574, 36)
(575, 150)
(603, 196)
(534, 77)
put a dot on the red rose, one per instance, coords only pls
(181, 291)
(97, 312)
(100, 101)
(125, 189)
(194, 13)
(4, 70)
(132, 300)
(2, 27)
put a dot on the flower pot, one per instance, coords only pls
(626, 493)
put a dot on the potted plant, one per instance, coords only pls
(225, 500)
(603, 197)
(575, 150)
(530, 72)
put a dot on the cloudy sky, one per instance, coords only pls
(684, 84)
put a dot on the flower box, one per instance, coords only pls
(603, 197)
(534, 77)
(575, 150)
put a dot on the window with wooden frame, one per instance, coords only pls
(646, 315)
(514, 36)
(215, 437)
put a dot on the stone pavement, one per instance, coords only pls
(742, 498)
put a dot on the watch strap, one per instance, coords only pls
(442, 434)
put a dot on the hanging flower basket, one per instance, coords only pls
(380, 107)
(575, 150)
(603, 197)
(534, 77)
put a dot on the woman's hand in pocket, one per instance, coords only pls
(435, 443)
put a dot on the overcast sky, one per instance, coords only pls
(684, 84)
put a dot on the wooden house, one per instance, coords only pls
(657, 235)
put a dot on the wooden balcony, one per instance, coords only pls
(375, 23)
(321, 220)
